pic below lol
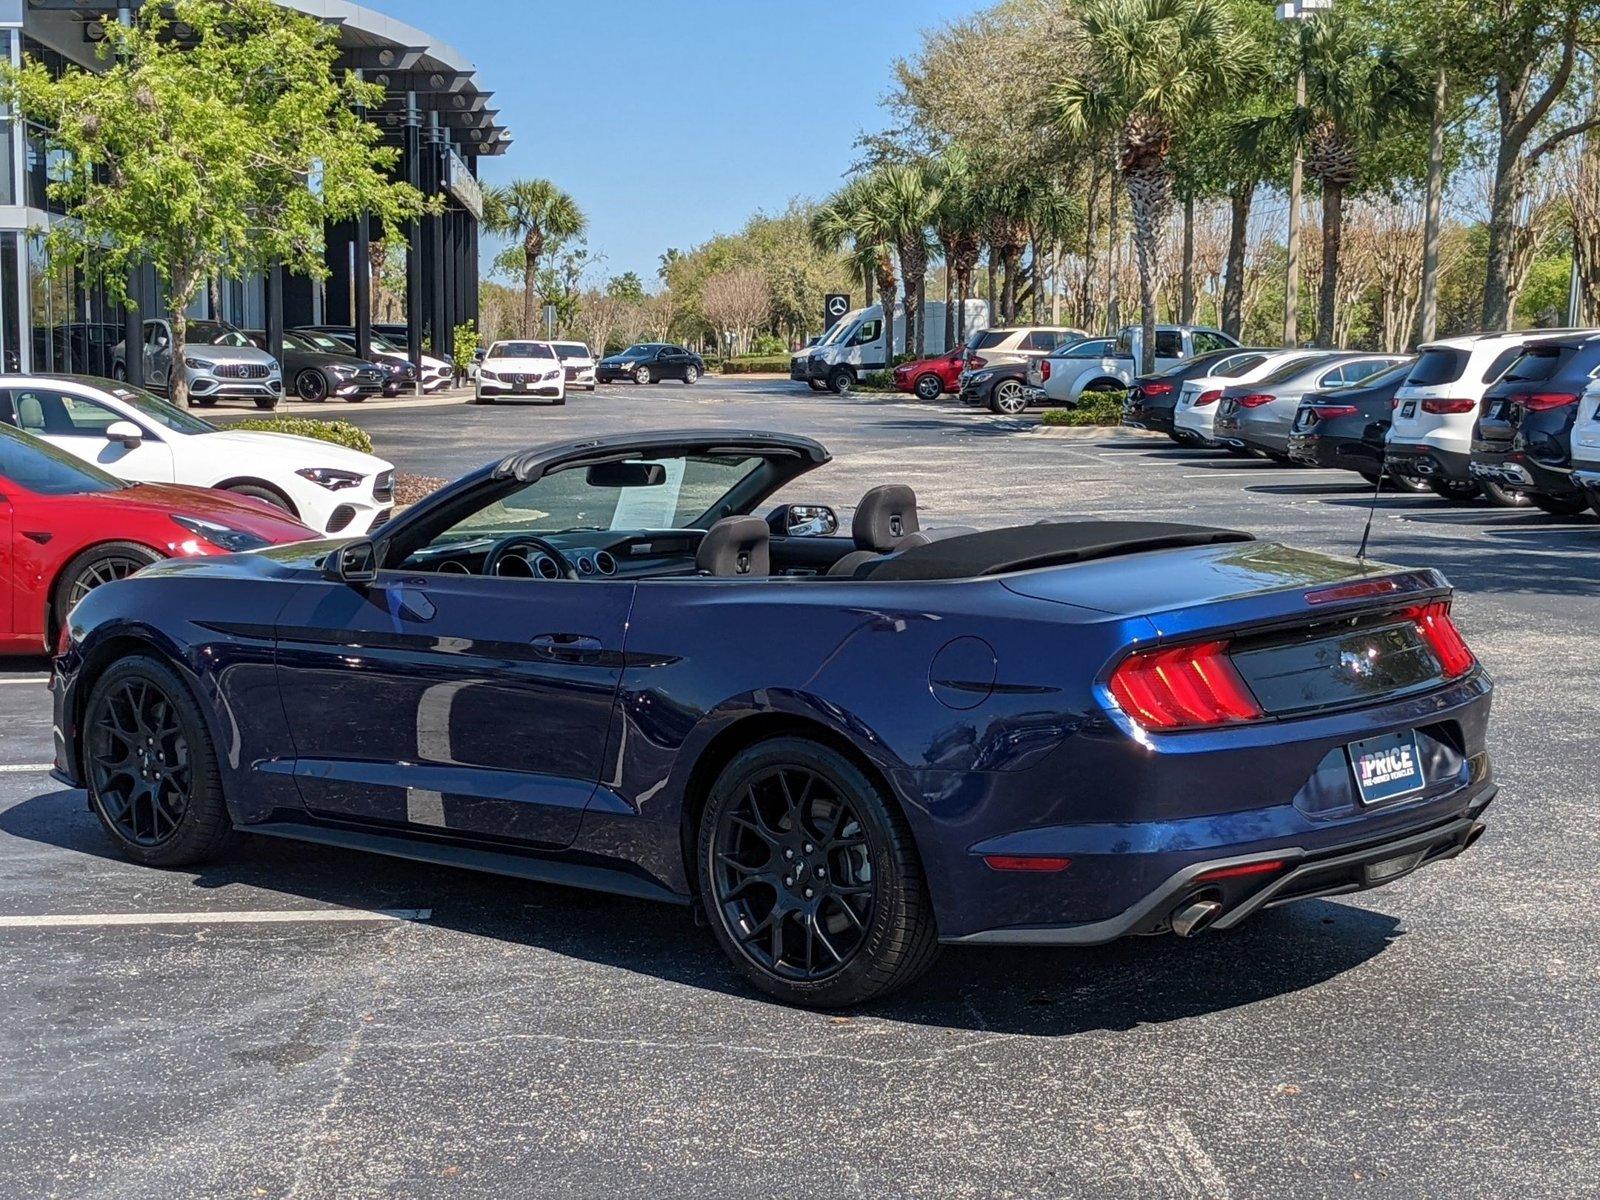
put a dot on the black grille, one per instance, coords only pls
(241, 371)
(383, 487)
(382, 518)
(341, 517)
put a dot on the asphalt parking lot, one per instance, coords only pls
(303, 1022)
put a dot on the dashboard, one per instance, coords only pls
(575, 555)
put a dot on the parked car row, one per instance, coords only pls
(1512, 418)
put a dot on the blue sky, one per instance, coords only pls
(674, 120)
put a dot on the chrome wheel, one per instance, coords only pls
(690, 374)
(139, 765)
(1008, 397)
(792, 875)
(642, 375)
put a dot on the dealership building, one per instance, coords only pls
(435, 113)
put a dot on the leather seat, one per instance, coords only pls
(885, 518)
(735, 547)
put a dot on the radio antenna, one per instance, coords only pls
(1372, 511)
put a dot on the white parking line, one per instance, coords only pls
(18, 679)
(262, 917)
(25, 768)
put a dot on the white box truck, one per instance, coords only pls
(855, 344)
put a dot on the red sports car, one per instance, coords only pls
(67, 527)
(928, 377)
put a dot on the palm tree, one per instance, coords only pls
(1054, 215)
(849, 223)
(541, 216)
(1354, 95)
(904, 200)
(1150, 63)
(958, 226)
(1005, 209)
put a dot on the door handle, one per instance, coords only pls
(567, 645)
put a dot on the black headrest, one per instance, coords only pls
(735, 546)
(885, 515)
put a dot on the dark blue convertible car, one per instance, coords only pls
(590, 664)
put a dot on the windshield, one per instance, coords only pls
(566, 350)
(214, 333)
(520, 350)
(840, 328)
(156, 409)
(306, 340)
(1389, 375)
(45, 471)
(643, 350)
(639, 494)
(1295, 366)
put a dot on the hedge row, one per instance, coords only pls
(1096, 408)
(340, 433)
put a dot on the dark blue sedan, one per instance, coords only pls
(590, 664)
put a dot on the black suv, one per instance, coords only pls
(1523, 435)
(1345, 428)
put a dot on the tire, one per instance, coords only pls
(1413, 484)
(1559, 506)
(1501, 496)
(264, 403)
(480, 399)
(1240, 451)
(119, 373)
(816, 385)
(1279, 457)
(928, 387)
(94, 566)
(690, 374)
(184, 820)
(1007, 399)
(841, 380)
(889, 937)
(311, 386)
(262, 492)
(644, 375)
(1372, 479)
(211, 402)
(1450, 489)
(559, 400)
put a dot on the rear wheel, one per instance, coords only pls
(97, 565)
(1501, 496)
(150, 767)
(1559, 506)
(810, 879)
(928, 386)
(1279, 457)
(1414, 484)
(1008, 398)
(1453, 489)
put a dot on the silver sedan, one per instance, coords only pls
(1258, 415)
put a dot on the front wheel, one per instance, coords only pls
(311, 386)
(841, 380)
(264, 403)
(816, 385)
(643, 375)
(1008, 398)
(810, 879)
(928, 387)
(150, 767)
(690, 374)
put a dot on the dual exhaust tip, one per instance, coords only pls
(1189, 919)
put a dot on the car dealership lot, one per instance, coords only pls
(310, 1022)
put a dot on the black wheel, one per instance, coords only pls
(691, 373)
(264, 403)
(1414, 484)
(1279, 457)
(643, 375)
(1451, 489)
(211, 402)
(1373, 479)
(97, 565)
(1501, 496)
(816, 385)
(559, 400)
(150, 767)
(928, 386)
(119, 373)
(311, 386)
(841, 380)
(1559, 506)
(1007, 398)
(1240, 451)
(261, 492)
(810, 879)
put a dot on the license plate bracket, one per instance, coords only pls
(1408, 409)
(1387, 767)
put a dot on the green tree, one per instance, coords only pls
(1150, 64)
(539, 218)
(215, 155)
(958, 226)
(905, 199)
(627, 286)
(850, 222)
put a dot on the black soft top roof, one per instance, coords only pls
(1024, 547)
(537, 461)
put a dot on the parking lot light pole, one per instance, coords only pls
(1298, 11)
(413, 155)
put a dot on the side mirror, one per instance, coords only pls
(804, 520)
(126, 432)
(355, 563)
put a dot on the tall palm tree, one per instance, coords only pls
(1005, 208)
(1054, 215)
(1149, 64)
(958, 226)
(1355, 93)
(850, 223)
(539, 215)
(905, 199)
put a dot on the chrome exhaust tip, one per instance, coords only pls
(1189, 919)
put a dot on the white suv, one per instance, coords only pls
(1434, 411)
(1586, 445)
(997, 347)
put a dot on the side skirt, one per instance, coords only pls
(474, 858)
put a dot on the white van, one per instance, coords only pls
(855, 345)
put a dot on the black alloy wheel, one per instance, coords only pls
(810, 878)
(150, 767)
(311, 386)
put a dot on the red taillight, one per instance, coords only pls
(1156, 389)
(1440, 407)
(1044, 369)
(1255, 400)
(1351, 591)
(1327, 412)
(1442, 636)
(978, 363)
(1545, 401)
(1182, 687)
(1207, 399)
(1243, 869)
(1025, 862)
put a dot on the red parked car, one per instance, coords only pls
(927, 377)
(69, 527)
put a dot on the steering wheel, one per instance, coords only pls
(520, 543)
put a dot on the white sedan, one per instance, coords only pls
(1195, 414)
(519, 369)
(141, 438)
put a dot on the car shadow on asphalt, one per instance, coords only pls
(1010, 990)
